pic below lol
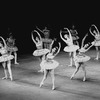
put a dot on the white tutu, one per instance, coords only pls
(50, 56)
(6, 57)
(71, 48)
(52, 64)
(97, 43)
(40, 52)
(81, 58)
(82, 50)
(12, 49)
(3, 51)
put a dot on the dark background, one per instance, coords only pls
(21, 19)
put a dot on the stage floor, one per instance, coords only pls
(25, 85)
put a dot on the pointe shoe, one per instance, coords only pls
(4, 78)
(84, 79)
(70, 65)
(40, 70)
(53, 88)
(11, 78)
(71, 77)
(96, 59)
(16, 63)
(41, 84)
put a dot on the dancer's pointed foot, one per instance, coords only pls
(40, 70)
(4, 78)
(16, 63)
(11, 78)
(71, 77)
(70, 65)
(84, 79)
(41, 84)
(96, 58)
(53, 87)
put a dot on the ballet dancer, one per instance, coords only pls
(96, 35)
(75, 36)
(43, 57)
(5, 59)
(49, 65)
(11, 47)
(40, 51)
(46, 40)
(71, 48)
(38, 41)
(81, 58)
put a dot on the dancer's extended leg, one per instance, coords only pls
(44, 77)
(84, 70)
(97, 50)
(53, 78)
(76, 70)
(71, 59)
(15, 54)
(5, 70)
(9, 69)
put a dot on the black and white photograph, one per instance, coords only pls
(50, 51)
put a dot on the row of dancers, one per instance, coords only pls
(47, 51)
(77, 53)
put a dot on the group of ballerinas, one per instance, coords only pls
(47, 51)
(76, 53)
(7, 48)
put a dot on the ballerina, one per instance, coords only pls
(81, 58)
(40, 51)
(71, 48)
(11, 47)
(46, 40)
(39, 44)
(49, 65)
(74, 34)
(5, 59)
(96, 35)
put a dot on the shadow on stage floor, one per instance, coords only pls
(26, 73)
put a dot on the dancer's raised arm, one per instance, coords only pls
(98, 33)
(91, 33)
(62, 37)
(51, 44)
(83, 40)
(5, 45)
(58, 49)
(38, 34)
(70, 36)
(39, 30)
(33, 37)
(88, 48)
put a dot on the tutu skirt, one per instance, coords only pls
(71, 48)
(97, 43)
(81, 58)
(3, 51)
(50, 56)
(40, 52)
(6, 57)
(12, 49)
(49, 64)
(82, 50)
